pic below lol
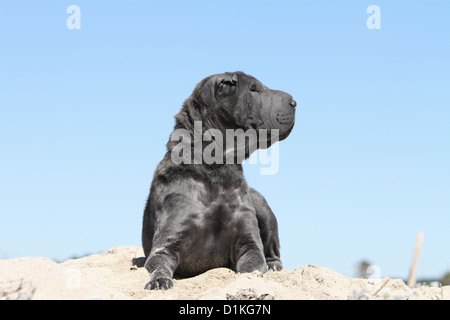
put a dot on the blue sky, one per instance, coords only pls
(85, 115)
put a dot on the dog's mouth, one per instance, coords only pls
(284, 119)
(268, 137)
(288, 132)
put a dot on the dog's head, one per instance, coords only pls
(238, 100)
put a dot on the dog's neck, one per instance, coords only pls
(208, 138)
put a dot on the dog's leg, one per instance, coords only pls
(162, 262)
(166, 253)
(159, 266)
(174, 224)
(268, 228)
(248, 249)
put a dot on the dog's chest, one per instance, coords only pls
(215, 228)
(225, 203)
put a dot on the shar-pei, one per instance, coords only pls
(200, 213)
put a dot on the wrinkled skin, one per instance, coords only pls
(204, 216)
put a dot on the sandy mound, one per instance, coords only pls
(111, 275)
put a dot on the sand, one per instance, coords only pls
(111, 275)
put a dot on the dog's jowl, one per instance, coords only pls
(200, 213)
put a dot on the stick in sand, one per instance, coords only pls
(415, 261)
(380, 286)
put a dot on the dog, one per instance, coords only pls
(199, 215)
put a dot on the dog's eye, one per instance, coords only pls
(254, 88)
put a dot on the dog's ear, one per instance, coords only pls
(228, 79)
(227, 84)
(222, 84)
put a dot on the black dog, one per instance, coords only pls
(204, 216)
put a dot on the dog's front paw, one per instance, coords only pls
(274, 265)
(161, 283)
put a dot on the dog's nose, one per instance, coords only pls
(293, 103)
